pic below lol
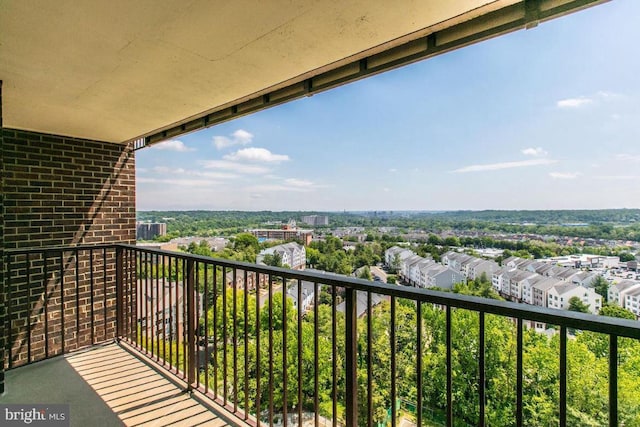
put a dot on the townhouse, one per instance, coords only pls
(559, 296)
(292, 254)
(618, 291)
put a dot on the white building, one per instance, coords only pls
(632, 302)
(500, 279)
(517, 281)
(539, 291)
(443, 277)
(292, 254)
(407, 265)
(480, 266)
(416, 269)
(394, 252)
(618, 291)
(308, 293)
(559, 296)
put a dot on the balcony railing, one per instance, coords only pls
(276, 345)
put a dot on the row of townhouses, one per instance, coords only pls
(421, 272)
(527, 281)
(626, 294)
(544, 284)
(292, 254)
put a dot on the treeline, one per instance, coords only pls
(611, 224)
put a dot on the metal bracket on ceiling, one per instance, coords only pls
(531, 13)
(308, 87)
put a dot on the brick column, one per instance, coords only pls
(2, 264)
(62, 191)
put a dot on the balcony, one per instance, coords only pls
(216, 329)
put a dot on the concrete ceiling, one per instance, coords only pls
(117, 70)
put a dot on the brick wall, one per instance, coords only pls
(60, 191)
(2, 266)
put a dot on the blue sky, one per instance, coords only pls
(547, 118)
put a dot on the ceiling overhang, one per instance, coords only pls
(119, 71)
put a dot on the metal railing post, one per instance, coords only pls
(351, 349)
(119, 292)
(191, 324)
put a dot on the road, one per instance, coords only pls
(379, 272)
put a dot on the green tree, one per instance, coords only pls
(576, 304)
(246, 241)
(626, 256)
(601, 287)
(612, 310)
(395, 264)
(365, 273)
(274, 259)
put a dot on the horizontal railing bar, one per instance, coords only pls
(602, 324)
(58, 249)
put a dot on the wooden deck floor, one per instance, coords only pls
(136, 393)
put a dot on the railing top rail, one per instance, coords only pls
(54, 249)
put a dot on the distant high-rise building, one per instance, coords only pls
(316, 219)
(149, 230)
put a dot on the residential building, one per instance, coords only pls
(457, 261)
(285, 233)
(618, 291)
(417, 274)
(407, 265)
(479, 267)
(164, 305)
(361, 303)
(292, 254)
(396, 253)
(584, 278)
(516, 283)
(501, 280)
(443, 277)
(539, 291)
(308, 292)
(559, 296)
(632, 302)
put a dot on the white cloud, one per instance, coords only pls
(172, 145)
(179, 182)
(618, 177)
(505, 165)
(239, 137)
(235, 167)
(289, 184)
(604, 94)
(535, 152)
(564, 175)
(165, 169)
(574, 102)
(393, 170)
(258, 155)
(298, 182)
(628, 157)
(267, 188)
(214, 175)
(581, 101)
